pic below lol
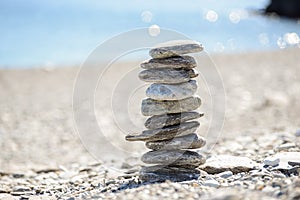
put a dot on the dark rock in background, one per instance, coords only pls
(286, 8)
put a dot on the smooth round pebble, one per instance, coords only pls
(159, 91)
(211, 183)
(156, 107)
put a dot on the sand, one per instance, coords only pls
(37, 130)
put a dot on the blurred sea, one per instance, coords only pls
(53, 32)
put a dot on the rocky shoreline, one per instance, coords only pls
(240, 173)
(42, 158)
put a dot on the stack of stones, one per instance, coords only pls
(171, 103)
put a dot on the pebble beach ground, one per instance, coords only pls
(42, 157)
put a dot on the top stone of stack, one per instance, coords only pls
(175, 48)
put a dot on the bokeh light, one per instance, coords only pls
(291, 38)
(281, 43)
(219, 47)
(263, 38)
(231, 43)
(235, 16)
(147, 16)
(211, 16)
(154, 30)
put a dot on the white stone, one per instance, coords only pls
(286, 146)
(287, 160)
(221, 163)
(271, 161)
(212, 183)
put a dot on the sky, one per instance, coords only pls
(52, 32)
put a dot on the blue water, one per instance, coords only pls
(49, 33)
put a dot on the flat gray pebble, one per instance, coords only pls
(167, 75)
(174, 158)
(173, 62)
(161, 173)
(191, 141)
(159, 121)
(165, 133)
(175, 48)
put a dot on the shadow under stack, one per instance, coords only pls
(171, 102)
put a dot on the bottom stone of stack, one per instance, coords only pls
(161, 173)
(182, 158)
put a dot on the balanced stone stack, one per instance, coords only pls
(171, 103)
